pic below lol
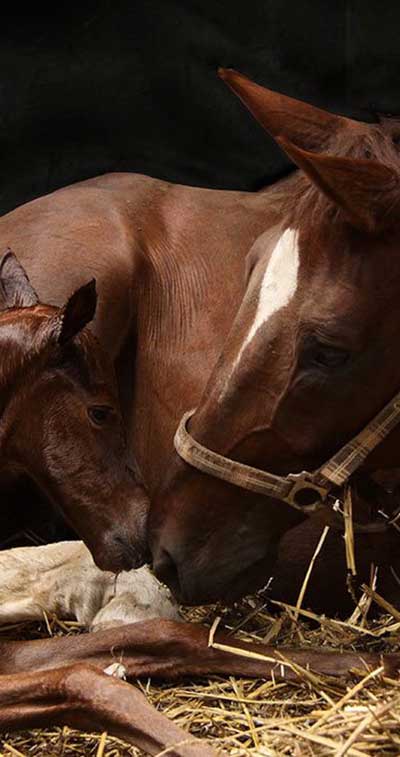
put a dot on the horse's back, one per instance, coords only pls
(77, 226)
(107, 227)
(84, 231)
(76, 230)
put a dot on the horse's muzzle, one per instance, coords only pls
(214, 582)
(119, 551)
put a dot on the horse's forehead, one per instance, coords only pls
(330, 276)
(89, 363)
(277, 280)
(26, 331)
(22, 330)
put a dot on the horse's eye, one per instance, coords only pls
(99, 414)
(328, 356)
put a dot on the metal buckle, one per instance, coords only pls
(313, 495)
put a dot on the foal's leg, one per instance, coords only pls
(169, 650)
(80, 696)
(62, 578)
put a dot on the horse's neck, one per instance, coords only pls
(190, 292)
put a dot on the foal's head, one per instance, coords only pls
(313, 352)
(60, 420)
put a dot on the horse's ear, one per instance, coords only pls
(77, 313)
(362, 189)
(16, 291)
(303, 124)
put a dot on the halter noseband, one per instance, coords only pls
(306, 491)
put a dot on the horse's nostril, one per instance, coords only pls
(166, 571)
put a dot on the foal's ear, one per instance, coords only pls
(362, 189)
(78, 312)
(16, 291)
(303, 124)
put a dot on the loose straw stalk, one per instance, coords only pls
(349, 532)
(309, 571)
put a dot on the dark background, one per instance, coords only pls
(105, 86)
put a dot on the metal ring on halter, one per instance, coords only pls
(305, 493)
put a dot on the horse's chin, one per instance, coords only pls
(225, 589)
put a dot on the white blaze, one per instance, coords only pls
(279, 282)
(277, 288)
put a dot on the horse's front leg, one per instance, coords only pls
(81, 696)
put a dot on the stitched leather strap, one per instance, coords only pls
(306, 491)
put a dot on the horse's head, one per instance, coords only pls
(60, 421)
(312, 355)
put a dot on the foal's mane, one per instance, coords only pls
(296, 197)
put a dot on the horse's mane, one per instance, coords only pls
(296, 196)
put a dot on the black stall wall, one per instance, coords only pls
(132, 86)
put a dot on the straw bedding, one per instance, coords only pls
(314, 716)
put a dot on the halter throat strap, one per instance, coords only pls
(306, 491)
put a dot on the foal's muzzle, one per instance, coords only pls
(119, 551)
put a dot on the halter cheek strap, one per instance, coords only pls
(306, 491)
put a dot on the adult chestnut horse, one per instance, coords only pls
(266, 311)
(308, 361)
(276, 316)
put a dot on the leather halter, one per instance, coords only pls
(306, 491)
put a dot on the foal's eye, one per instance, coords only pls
(327, 356)
(99, 414)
